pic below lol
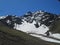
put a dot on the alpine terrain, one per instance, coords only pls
(32, 28)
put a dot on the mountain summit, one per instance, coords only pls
(36, 24)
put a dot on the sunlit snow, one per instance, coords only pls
(2, 17)
(56, 35)
(29, 27)
(46, 38)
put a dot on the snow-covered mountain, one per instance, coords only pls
(34, 23)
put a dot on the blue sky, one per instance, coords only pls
(20, 7)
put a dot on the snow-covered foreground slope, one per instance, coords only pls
(56, 35)
(46, 38)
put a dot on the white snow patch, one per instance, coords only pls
(2, 17)
(46, 38)
(56, 35)
(8, 21)
(30, 28)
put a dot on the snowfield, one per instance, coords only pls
(29, 27)
(46, 38)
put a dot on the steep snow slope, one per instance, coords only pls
(30, 28)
